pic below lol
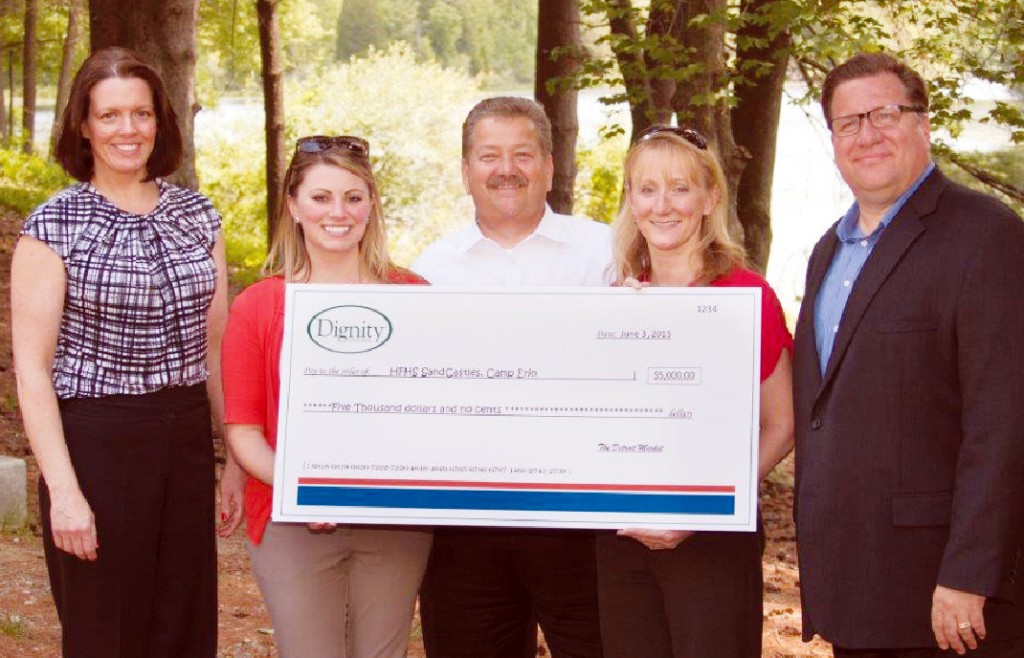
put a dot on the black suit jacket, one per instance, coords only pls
(910, 448)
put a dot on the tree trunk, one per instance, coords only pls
(162, 32)
(67, 61)
(273, 103)
(699, 100)
(661, 23)
(755, 121)
(28, 77)
(10, 99)
(632, 64)
(3, 106)
(558, 23)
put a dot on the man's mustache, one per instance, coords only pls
(506, 180)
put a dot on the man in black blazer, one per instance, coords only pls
(909, 394)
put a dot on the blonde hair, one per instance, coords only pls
(288, 256)
(718, 254)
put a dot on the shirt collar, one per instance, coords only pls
(848, 229)
(548, 228)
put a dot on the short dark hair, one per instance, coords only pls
(508, 107)
(73, 150)
(865, 65)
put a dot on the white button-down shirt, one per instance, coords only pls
(562, 251)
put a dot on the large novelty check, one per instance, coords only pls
(544, 407)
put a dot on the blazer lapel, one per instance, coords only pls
(895, 241)
(820, 260)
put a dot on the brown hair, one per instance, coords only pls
(73, 150)
(508, 107)
(866, 65)
(719, 253)
(288, 256)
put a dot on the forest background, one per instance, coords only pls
(403, 73)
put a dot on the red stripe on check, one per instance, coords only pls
(690, 488)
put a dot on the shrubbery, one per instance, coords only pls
(599, 178)
(28, 180)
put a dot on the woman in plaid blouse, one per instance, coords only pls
(118, 291)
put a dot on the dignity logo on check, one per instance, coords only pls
(349, 329)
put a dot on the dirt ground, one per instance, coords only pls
(28, 623)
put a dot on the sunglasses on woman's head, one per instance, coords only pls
(316, 143)
(689, 134)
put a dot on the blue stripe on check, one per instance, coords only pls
(516, 500)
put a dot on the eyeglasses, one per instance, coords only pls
(357, 146)
(689, 134)
(883, 117)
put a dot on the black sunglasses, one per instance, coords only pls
(317, 143)
(689, 134)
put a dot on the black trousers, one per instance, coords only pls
(701, 599)
(485, 588)
(145, 465)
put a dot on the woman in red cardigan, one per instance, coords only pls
(330, 591)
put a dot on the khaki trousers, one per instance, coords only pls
(344, 594)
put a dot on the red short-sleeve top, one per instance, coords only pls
(775, 335)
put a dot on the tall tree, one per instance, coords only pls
(71, 38)
(28, 76)
(273, 101)
(163, 32)
(558, 48)
(672, 57)
(763, 45)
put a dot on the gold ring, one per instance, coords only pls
(964, 625)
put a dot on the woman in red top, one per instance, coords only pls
(330, 591)
(680, 594)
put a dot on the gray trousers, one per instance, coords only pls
(345, 594)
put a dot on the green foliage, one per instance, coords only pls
(948, 42)
(28, 180)
(359, 27)
(599, 178)
(1006, 165)
(493, 37)
(229, 45)
(231, 165)
(51, 26)
(444, 29)
(410, 112)
(412, 115)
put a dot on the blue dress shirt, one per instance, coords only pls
(854, 250)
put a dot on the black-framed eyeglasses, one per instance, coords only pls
(316, 143)
(882, 117)
(689, 134)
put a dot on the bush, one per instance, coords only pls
(231, 165)
(599, 178)
(28, 180)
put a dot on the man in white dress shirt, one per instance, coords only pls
(486, 587)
